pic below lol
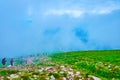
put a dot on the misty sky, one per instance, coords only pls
(37, 26)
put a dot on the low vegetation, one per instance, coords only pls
(83, 65)
(104, 64)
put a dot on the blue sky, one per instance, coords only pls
(37, 26)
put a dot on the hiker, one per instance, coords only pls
(38, 55)
(44, 54)
(25, 61)
(4, 62)
(12, 62)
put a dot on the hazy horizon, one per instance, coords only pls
(38, 26)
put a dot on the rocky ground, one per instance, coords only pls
(44, 73)
(36, 71)
(89, 65)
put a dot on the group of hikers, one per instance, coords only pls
(11, 62)
(25, 60)
(4, 61)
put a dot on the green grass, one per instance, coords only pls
(104, 64)
(7, 72)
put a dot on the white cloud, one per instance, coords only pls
(77, 11)
(100, 11)
(73, 13)
(104, 10)
(30, 11)
(80, 13)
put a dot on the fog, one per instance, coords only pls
(31, 27)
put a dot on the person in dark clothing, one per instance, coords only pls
(12, 62)
(4, 62)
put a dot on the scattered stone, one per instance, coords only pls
(52, 77)
(95, 78)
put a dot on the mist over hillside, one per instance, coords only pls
(29, 27)
(91, 65)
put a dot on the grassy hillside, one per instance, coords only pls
(82, 65)
(104, 64)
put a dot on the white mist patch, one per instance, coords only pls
(72, 13)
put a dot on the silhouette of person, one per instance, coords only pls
(12, 62)
(4, 62)
(25, 61)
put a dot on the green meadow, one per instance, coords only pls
(103, 64)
